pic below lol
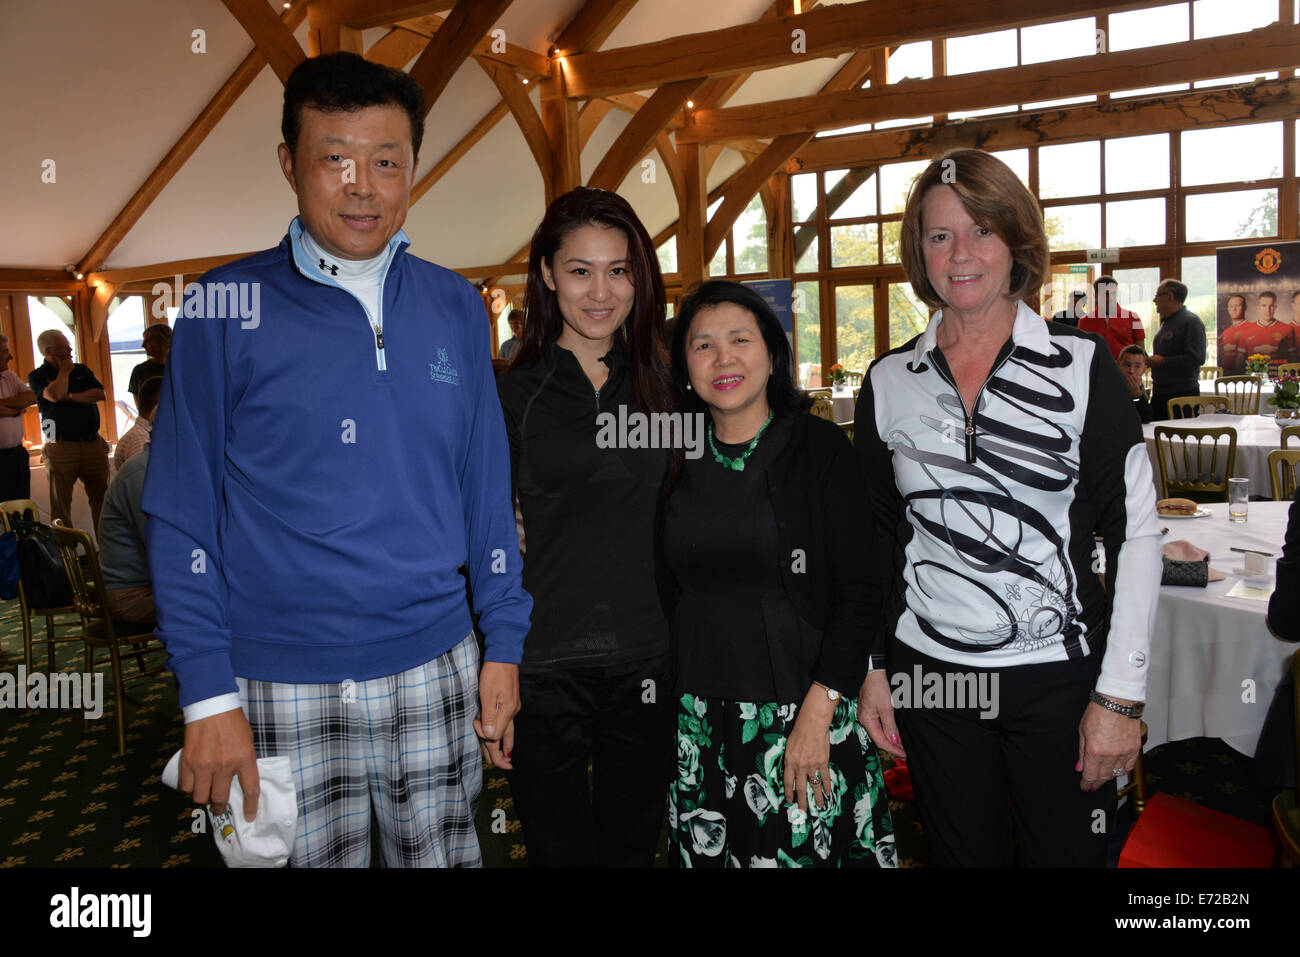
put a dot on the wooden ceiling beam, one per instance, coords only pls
(827, 32)
(1268, 48)
(638, 137)
(167, 270)
(396, 48)
(329, 36)
(515, 95)
(850, 76)
(269, 34)
(592, 25)
(183, 148)
(1258, 102)
(532, 64)
(363, 14)
(468, 23)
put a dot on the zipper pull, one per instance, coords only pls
(379, 337)
(970, 441)
(597, 400)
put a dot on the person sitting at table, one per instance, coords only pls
(137, 437)
(122, 555)
(1133, 363)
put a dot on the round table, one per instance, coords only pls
(842, 399)
(1257, 435)
(1214, 663)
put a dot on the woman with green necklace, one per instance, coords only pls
(772, 597)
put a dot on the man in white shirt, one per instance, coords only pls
(137, 437)
(15, 465)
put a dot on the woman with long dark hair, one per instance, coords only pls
(774, 598)
(593, 682)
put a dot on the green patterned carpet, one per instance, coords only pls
(65, 801)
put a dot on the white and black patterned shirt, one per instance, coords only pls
(988, 524)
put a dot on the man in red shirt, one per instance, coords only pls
(1266, 335)
(1108, 319)
(1231, 359)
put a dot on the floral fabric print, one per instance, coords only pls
(727, 807)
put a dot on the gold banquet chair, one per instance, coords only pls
(1190, 406)
(1281, 473)
(1194, 463)
(26, 508)
(98, 629)
(823, 408)
(1288, 368)
(1242, 392)
(1210, 373)
(1290, 432)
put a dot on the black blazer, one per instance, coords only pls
(828, 566)
(1284, 606)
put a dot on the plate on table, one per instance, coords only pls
(1201, 512)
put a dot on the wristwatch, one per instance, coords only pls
(831, 693)
(1127, 710)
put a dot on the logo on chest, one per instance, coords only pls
(443, 370)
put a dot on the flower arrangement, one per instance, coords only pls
(1286, 395)
(1257, 363)
(837, 374)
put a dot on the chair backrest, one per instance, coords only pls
(1288, 368)
(814, 393)
(1281, 473)
(81, 562)
(22, 508)
(1190, 406)
(823, 407)
(1242, 392)
(1290, 432)
(1195, 462)
(855, 378)
(1211, 372)
(848, 430)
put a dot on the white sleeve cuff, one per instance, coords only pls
(210, 706)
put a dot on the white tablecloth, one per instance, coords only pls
(1257, 435)
(842, 399)
(1214, 663)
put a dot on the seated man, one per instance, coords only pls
(121, 545)
(1133, 363)
(137, 437)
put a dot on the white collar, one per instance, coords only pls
(1029, 329)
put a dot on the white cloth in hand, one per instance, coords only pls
(267, 841)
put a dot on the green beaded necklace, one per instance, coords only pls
(737, 464)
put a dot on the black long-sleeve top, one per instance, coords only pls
(828, 568)
(588, 516)
(1284, 606)
(1181, 342)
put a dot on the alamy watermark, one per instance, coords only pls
(946, 690)
(61, 691)
(656, 430)
(210, 300)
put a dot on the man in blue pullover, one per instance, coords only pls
(329, 465)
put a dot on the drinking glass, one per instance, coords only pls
(1238, 499)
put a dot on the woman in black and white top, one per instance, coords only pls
(1002, 444)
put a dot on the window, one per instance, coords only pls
(1147, 28)
(1018, 160)
(668, 255)
(1073, 227)
(1136, 222)
(51, 312)
(1071, 169)
(808, 333)
(855, 327)
(749, 238)
(1137, 162)
(803, 193)
(1200, 275)
(1057, 41)
(984, 51)
(1241, 214)
(912, 61)
(1229, 154)
(854, 245)
(851, 199)
(1214, 18)
(895, 181)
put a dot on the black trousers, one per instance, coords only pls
(980, 782)
(621, 719)
(15, 474)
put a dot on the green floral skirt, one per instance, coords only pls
(727, 807)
